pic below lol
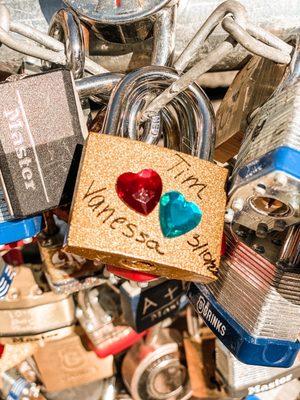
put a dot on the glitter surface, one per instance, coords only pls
(103, 227)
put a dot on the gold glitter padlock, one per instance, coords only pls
(148, 208)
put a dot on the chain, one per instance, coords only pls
(256, 40)
(53, 50)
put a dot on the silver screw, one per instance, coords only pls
(229, 215)
(238, 204)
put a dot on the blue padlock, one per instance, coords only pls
(13, 230)
(265, 182)
(246, 348)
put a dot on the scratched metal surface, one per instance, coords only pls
(279, 16)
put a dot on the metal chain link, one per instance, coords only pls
(53, 50)
(256, 40)
(231, 7)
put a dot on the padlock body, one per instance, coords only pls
(105, 228)
(154, 370)
(146, 307)
(42, 135)
(65, 272)
(266, 177)
(29, 314)
(76, 365)
(16, 230)
(241, 379)
(245, 347)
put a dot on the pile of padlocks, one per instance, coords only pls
(150, 249)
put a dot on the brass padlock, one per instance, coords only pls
(31, 312)
(66, 363)
(65, 272)
(147, 208)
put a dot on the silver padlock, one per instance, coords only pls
(265, 183)
(264, 286)
(153, 370)
(240, 379)
(66, 273)
(30, 312)
(99, 313)
(282, 18)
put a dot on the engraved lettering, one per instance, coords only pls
(130, 228)
(16, 127)
(98, 203)
(205, 311)
(170, 293)
(88, 193)
(181, 167)
(144, 237)
(196, 183)
(106, 209)
(154, 245)
(120, 220)
(147, 304)
(95, 200)
(203, 252)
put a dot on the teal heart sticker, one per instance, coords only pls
(177, 216)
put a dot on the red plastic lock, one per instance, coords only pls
(116, 345)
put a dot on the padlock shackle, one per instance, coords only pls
(290, 251)
(65, 27)
(164, 36)
(199, 121)
(294, 67)
(97, 85)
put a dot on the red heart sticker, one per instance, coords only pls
(140, 192)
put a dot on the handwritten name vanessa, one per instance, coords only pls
(96, 200)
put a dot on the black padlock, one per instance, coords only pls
(42, 132)
(145, 307)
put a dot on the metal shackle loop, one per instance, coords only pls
(52, 51)
(236, 9)
(293, 74)
(268, 45)
(290, 251)
(65, 27)
(164, 36)
(197, 128)
(4, 18)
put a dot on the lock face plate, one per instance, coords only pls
(152, 305)
(266, 177)
(41, 139)
(105, 228)
(76, 365)
(249, 349)
(116, 11)
(242, 380)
